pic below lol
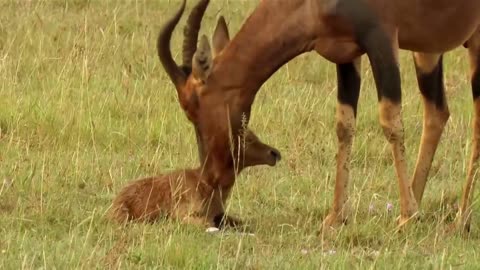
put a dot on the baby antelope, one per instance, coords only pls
(192, 195)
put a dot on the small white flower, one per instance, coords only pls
(330, 252)
(7, 182)
(371, 208)
(389, 207)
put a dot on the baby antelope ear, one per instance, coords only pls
(202, 60)
(221, 38)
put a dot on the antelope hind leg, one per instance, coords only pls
(429, 70)
(465, 211)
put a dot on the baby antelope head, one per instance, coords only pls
(254, 152)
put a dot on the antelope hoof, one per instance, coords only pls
(411, 214)
(333, 221)
(461, 225)
(404, 220)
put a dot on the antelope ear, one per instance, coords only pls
(202, 60)
(221, 38)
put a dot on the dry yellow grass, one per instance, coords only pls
(85, 107)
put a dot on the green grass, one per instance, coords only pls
(85, 107)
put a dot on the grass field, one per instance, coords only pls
(85, 107)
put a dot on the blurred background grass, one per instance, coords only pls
(85, 107)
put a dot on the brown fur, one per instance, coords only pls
(190, 196)
(341, 31)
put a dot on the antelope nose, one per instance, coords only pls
(276, 154)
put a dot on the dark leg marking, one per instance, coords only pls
(348, 81)
(431, 82)
(476, 77)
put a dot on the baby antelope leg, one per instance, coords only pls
(348, 76)
(222, 221)
(464, 214)
(435, 116)
(216, 211)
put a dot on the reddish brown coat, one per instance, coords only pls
(191, 196)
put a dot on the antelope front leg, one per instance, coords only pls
(348, 80)
(465, 211)
(429, 68)
(382, 49)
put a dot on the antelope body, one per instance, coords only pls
(222, 85)
(189, 196)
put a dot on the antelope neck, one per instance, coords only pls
(265, 43)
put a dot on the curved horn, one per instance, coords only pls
(191, 32)
(163, 49)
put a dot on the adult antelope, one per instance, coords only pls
(215, 90)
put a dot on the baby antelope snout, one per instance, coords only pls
(276, 156)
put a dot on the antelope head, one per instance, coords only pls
(214, 110)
